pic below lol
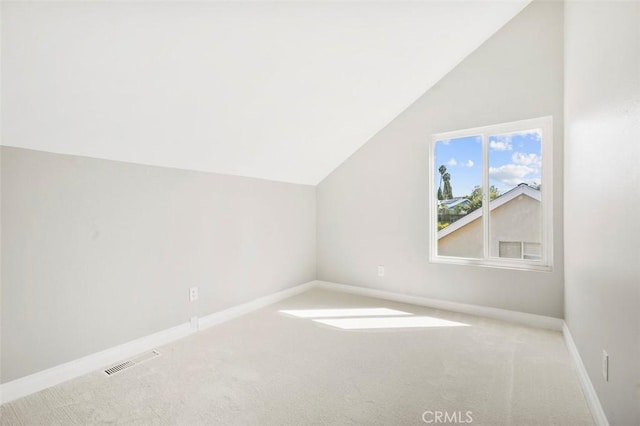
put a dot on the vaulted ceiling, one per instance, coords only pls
(281, 91)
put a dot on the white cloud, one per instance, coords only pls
(444, 141)
(533, 134)
(501, 145)
(452, 162)
(530, 159)
(514, 174)
(505, 142)
(469, 163)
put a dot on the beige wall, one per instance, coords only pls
(463, 242)
(517, 220)
(104, 252)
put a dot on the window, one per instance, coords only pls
(491, 195)
(519, 250)
(511, 249)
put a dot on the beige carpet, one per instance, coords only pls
(274, 368)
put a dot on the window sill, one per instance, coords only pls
(518, 265)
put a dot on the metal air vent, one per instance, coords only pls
(130, 363)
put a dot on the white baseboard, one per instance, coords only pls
(585, 382)
(36, 382)
(61, 373)
(539, 321)
(70, 370)
(245, 308)
(532, 320)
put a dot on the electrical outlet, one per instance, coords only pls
(381, 271)
(605, 365)
(193, 294)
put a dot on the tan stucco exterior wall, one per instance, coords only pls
(517, 220)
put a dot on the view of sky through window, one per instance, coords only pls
(513, 159)
(462, 158)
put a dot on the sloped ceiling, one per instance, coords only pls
(281, 91)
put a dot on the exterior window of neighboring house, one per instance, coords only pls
(519, 250)
(491, 195)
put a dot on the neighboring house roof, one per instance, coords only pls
(452, 203)
(522, 189)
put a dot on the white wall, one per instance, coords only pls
(373, 209)
(0, 191)
(281, 90)
(103, 252)
(602, 201)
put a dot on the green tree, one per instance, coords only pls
(442, 169)
(447, 193)
(475, 197)
(459, 210)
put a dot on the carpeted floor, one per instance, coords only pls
(379, 367)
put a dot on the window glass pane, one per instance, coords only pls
(515, 176)
(532, 251)
(458, 185)
(511, 249)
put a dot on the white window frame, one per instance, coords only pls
(545, 263)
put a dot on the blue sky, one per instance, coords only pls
(513, 158)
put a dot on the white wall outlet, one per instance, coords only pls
(193, 294)
(605, 365)
(381, 271)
